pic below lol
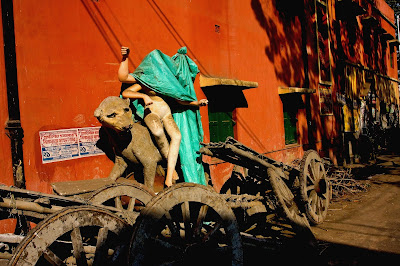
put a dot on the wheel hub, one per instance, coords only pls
(321, 186)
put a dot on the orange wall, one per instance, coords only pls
(68, 56)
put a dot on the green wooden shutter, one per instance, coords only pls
(290, 123)
(221, 125)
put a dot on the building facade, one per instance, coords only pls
(277, 74)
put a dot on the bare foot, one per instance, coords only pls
(168, 183)
(175, 176)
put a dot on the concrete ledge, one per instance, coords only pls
(211, 81)
(286, 90)
(394, 42)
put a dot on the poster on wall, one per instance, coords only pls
(325, 100)
(67, 144)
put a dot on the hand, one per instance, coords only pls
(125, 51)
(203, 102)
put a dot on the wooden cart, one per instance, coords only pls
(100, 222)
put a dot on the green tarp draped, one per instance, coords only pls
(173, 77)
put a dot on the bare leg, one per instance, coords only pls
(154, 124)
(175, 135)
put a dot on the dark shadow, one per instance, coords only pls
(325, 253)
(337, 254)
(218, 102)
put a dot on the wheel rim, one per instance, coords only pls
(130, 197)
(314, 187)
(76, 235)
(182, 223)
(286, 200)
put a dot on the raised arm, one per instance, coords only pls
(123, 72)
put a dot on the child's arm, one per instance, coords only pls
(132, 92)
(123, 72)
(202, 102)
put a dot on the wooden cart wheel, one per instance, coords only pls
(186, 224)
(286, 200)
(83, 235)
(123, 196)
(314, 187)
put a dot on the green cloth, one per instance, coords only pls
(173, 77)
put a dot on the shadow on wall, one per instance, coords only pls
(286, 25)
(285, 46)
(291, 31)
(116, 37)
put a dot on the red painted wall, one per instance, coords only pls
(68, 56)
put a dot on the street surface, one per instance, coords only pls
(360, 229)
(364, 228)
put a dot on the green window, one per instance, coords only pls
(291, 104)
(221, 125)
(290, 124)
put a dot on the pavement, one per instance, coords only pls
(364, 228)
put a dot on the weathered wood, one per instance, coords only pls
(6, 256)
(70, 188)
(37, 206)
(181, 217)
(101, 248)
(70, 221)
(51, 257)
(28, 206)
(77, 244)
(28, 195)
(249, 156)
(11, 238)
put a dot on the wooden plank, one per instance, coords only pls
(77, 245)
(70, 188)
(10, 238)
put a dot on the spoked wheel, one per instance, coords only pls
(286, 200)
(314, 187)
(123, 196)
(81, 235)
(186, 224)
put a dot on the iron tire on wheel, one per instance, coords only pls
(115, 194)
(285, 200)
(75, 235)
(314, 187)
(186, 224)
